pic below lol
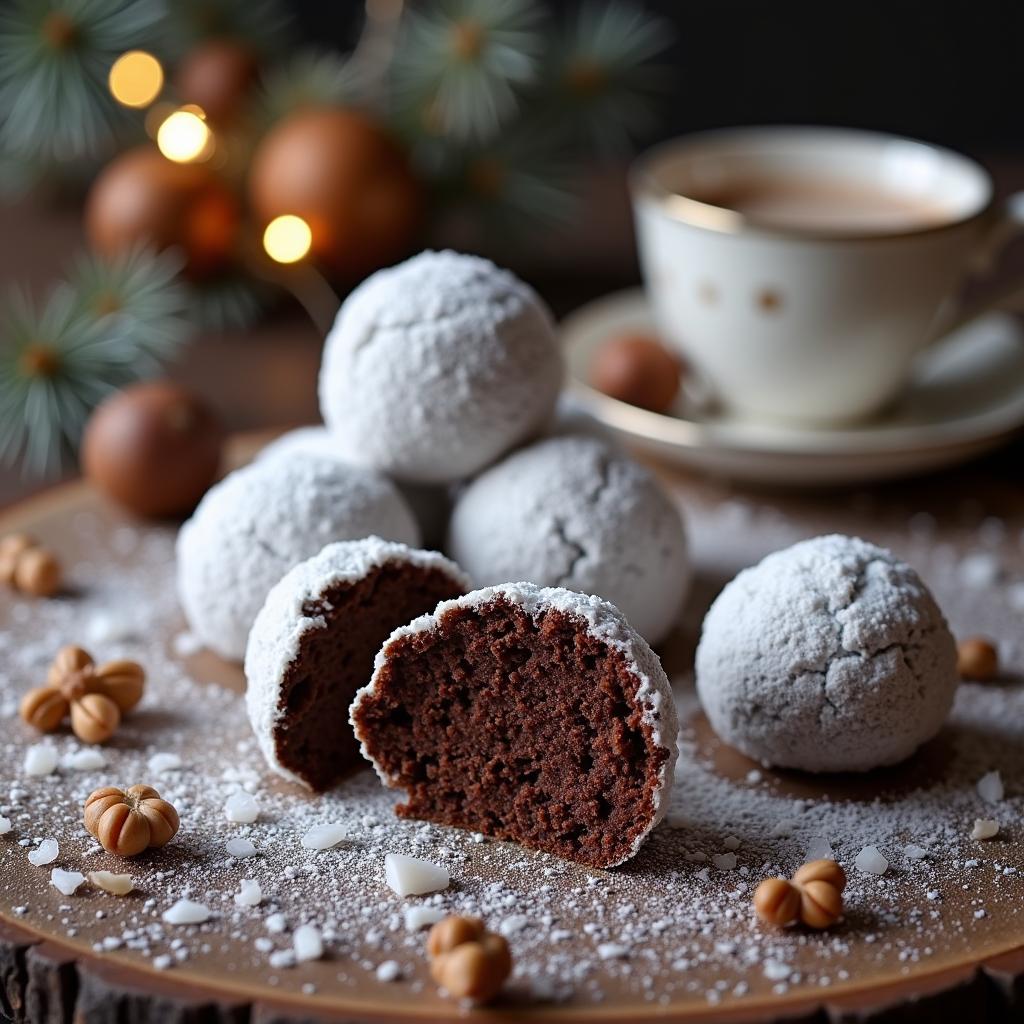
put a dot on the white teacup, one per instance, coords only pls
(801, 270)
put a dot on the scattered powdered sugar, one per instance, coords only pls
(66, 882)
(684, 930)
(186, 912)
(45, 853)
(242, 807)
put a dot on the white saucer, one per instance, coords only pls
(966, 397)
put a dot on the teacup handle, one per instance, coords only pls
(1007, 222)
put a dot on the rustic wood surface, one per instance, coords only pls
(46, 977)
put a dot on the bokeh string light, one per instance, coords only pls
(185, 137)
(287, 239)
(135, 79)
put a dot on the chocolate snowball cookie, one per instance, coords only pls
(573, 512)
(437, 367)
(829, 656)
(261, 520)
(530, 714)
(313, 644)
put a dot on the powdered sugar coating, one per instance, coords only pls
(429, 503)
(277, 634)
(573, 512)
(830, 655)
(436, 367)
(258, 522)
(604, 622)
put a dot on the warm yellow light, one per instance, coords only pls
(184, 136)
(136, 78)
(287, 239)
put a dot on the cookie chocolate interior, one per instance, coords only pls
(313, 736)
(520, 728)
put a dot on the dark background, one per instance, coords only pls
(946, 72)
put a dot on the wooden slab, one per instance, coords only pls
(889, 960)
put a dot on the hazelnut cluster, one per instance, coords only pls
(468, 961)
(95, 696)
(29, 567)
(126, 822)
(814, 896)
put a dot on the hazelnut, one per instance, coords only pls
(824, 870)
(37, 572)
(474, 970)
(69, 659)
(638, 370)
(453, 931)
(821, 904)
(777, 902)
(977, 659)
(123, 682)
(94, 717)
(44, 708)
(126, 822)
(11, 549)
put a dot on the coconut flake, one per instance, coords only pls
(775, 970)
(409, 876)
(323, 837)
(388, 971)
(85, 760)
(5, 825)
(984, 828)
(612, 951)
(240, 848)
(420, 917)
(724, 861)
(990, 787)
(45, 853)
(276, 923)
(819, 848)
(41, 759)
(66, 882)
(161, 763)
(119, 885)
(871, 861)
(241, 807)
(731, 843)
(307, 943)
(913, 852)
(186, 912)
(250, 894)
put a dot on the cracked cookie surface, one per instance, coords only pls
(831, 655)
(261, 520)
(573, 512)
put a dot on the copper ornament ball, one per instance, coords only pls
(217, 75)
(143, 198)
(639, 370)
(348, 179)
(154, 448)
